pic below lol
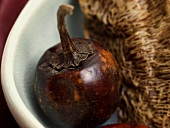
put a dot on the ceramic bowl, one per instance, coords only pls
(34, 32)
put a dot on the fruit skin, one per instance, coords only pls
(84, 96)
(124, 126)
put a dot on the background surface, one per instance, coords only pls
(9, 11)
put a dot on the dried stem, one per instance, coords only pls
(66, 41)
(71, 55)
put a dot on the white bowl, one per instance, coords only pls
(34, 32)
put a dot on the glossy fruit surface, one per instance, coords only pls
(77, 82)
(87, 95)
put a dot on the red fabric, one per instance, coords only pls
(124, 126)
(9, 11)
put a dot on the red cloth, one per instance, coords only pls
(9, 11)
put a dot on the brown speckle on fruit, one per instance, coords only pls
(79, 81)
(103, 59)
(104, 68)
(112, 89)
(76, 95)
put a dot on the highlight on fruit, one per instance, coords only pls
(77, 82)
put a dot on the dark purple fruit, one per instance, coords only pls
(77, 81)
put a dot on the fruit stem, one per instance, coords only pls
(66, 41)
(72, 52)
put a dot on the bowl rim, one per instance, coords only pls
(7, 79)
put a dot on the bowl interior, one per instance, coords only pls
(37, 35)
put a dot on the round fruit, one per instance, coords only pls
(77, 81)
